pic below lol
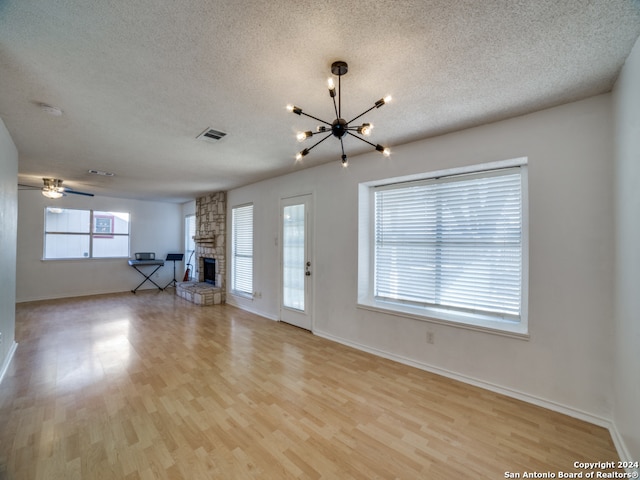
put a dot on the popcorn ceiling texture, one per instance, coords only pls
(138, 81)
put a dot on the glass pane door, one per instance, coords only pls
(293, 258)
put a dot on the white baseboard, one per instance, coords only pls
(623, 451)
(75, 295)
(7, 360)
(525, 397)
(242, 306)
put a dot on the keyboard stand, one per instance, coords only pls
(147, 278)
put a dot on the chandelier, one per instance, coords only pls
(339, 128)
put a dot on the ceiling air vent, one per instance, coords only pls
(211, 135)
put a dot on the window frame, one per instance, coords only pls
(493, 323)
(234, 255)
(91, 234)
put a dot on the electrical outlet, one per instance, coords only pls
(430, 338)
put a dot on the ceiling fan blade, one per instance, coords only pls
(75, 192)
(22, 186)
(54, 184)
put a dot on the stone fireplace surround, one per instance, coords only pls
(211, 220)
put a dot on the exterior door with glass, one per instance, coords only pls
(296, 261)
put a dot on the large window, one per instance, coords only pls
(450, 248)
(242, 250)
(73, 233)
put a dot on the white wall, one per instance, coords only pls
(155, 227)
(188, 208)
(8, 229)
(626, 409)
(567, 362)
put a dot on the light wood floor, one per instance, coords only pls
(149, 386)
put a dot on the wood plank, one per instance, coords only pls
(150, 386)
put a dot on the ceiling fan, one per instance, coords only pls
(53, 189)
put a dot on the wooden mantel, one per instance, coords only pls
(204, 240)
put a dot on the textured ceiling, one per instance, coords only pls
(139, 80)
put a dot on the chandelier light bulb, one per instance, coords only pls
(382, 101)
(301, 136)
(365, 129)
(290, 108)
(332, 88)
(383, 150)
(302, 154)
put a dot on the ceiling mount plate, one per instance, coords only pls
(339, 68)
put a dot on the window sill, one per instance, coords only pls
(474, 322)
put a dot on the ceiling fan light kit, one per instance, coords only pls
(53, 194)
(339, 128)
(52, 188)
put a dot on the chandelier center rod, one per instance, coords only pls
(339, 68)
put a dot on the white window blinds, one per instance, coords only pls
(453, 243)
(242, 249)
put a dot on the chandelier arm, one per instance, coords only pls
(335, 107)
(342, 146)
(315, 118)
(318, 142)
(339, 97)
(360, 138)
(366, 111)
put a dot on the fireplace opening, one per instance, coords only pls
(209, 266)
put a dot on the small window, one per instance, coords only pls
(242, 250)
(71, 233)
(451, 248)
